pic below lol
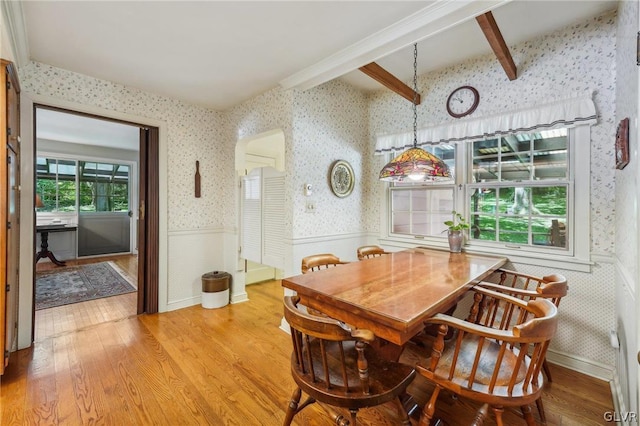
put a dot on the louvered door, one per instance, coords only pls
(272, 217)
(252, 216)
(263, 217)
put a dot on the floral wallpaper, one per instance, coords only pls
(329, 124)
(191, 131)
(626, 209)
(321, 125)
(269, 111)
(627, 106)
(577, 60)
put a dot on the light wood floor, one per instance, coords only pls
(226, 366)
(67, 318)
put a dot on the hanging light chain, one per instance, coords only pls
(415, 95)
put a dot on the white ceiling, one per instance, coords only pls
(61, 126)
(218, 54)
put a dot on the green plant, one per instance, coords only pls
(458, 223)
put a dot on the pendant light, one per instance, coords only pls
(415, 164)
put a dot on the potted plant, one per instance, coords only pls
(455, 234)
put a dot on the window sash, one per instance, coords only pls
(62, 172)
(577, 249)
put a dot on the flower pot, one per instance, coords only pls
(455, 241)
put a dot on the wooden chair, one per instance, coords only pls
(367, 252)
(529, 287)
(496, 364)
(553, 287)
(316, 262)
(334, 365)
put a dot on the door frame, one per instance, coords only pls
(26, 315)
(147, 195)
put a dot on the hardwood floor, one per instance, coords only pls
(67, 318)
(214, 366)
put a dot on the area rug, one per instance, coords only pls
(74, 284)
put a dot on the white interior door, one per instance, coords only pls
(262, 223)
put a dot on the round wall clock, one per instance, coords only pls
(463, 101)
(341, 178)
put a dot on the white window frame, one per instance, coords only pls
(45, 218)
(576, 257)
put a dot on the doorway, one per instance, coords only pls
(114, 178)
(260, 164)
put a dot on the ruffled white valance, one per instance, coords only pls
(559, 114)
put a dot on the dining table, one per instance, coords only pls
(393, 294)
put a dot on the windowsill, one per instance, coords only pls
(51, 218)
(570, 263)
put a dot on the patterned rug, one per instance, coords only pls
(74, 284)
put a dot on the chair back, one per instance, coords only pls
(320, 346)
(528, 287)
(316, 262)
(367, 252)
(553, 287)
(334, 364)
(497, 364)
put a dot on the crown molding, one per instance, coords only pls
(433, 19)
(14, 19)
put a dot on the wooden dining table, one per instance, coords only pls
(392, 295)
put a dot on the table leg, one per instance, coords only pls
(44, 250)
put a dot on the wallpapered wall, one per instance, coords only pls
(192, 131)
(321, 125)
(574, 61)
(330, 123)
(577, 60)
(626, 211)
(627, 106)
(269, 111)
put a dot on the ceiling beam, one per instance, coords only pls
(496, 41)
(438, 16)
(390, 81)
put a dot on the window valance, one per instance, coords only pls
(560, 114)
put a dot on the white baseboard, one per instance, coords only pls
(183, 303)
(197, 300)
(581, 365)
(618, 399)
(239, 298)
(284, 326)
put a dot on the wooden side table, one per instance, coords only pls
(44, 231)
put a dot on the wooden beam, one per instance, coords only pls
(390, 81)
(496, 41)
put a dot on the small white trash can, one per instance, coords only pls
(215, 289)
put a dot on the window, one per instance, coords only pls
(56, 184)
(419, 209)
(518, 191)
(104, 187)
(64, 184)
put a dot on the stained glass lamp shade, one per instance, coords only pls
(415, 165)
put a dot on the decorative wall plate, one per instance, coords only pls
(341, 178)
